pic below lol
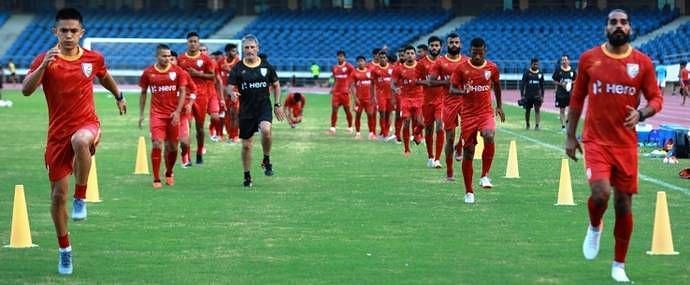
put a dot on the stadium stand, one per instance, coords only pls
(671, 46)
(293, 40)
(140, 24)
(4, 15)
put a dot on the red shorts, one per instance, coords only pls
(59, 155)
(213, 103)
(384, 103)
(451, 114)
(184, 125)
(471, 125)
(616, 164)
(432, 111)
(340, 99)
(162, 129)
(365, 105)
(411, 107)
(200, 107)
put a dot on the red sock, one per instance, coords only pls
(219, 127)
(487, 157)
(184, 153)
(79, 191)
(234, 132)
(212, 127)
(385, 125)
(406, 138)
(398, 127)
(170, 158)
(227, 123)
(358, 121)
(596, 212)
(449, 166)
(622, 232)
(348, 115)
(156, 163)
(440, 139)
(63, 241)
(467, 172)
(429, 140)
(334, 118)
(371, 123)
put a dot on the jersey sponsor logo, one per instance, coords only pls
(163, 88)
(363, 82)
(534, 81)
(487, 74)
(263, 71)
(469, 88)
(633, 69)
(599, 87)
(254, 85)
(87, 68)
(172, 75)
(199, 62)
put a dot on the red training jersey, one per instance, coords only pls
(431, 93)
(475, 84)
(164, 85)
(363, 80)
(224, 67)
(406, 77)
(443, 69)
(68, 87)
(291, 102)
(202, 63)
(610, 83)
(383, 76)
(341, 74)
(684, 77)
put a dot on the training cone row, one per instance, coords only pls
(20, 236)
(142, 164)
(565, 188)
(92, 193)
(662, 240)
(512, 170)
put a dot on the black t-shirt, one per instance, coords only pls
(532, 84)
(565, 77)
(253, 84)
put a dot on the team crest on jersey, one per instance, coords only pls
(390, 71)
(87, 68)
(343, 69)
(172, 75)
(263, 71)
(368, 74)
(487, 74)
(199, 62)
(633, 69)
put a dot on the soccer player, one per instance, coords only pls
(400, 59)
(202, 69)
(532, 92)
(293, 108)
(474, 79)
(168, 87)
(407, 79)
(452, 102)
(433, 105)
(339, 91)
(422, 51)
(361, 84)
(563, 78)
(251, 80)
(611, 78)
(384, 94)
(66, 72)
(684, 81)
(374, 59)
(216, 101)
(661, 76)
(13, 71)
(232, 107)
(185, 115)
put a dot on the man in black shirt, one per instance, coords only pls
(564, 78)
(532, 92)
(254, 79)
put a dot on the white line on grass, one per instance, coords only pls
(562, 150)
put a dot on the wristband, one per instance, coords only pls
(276, 105)
(121, 97)
(642, 117)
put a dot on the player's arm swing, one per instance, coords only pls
(180, 103)
(142, 105)
(499, 104)
(276, 98)
(34, 79)
(108, 83)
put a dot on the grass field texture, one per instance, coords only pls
(338, 211)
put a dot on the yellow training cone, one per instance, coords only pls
(479, 148)
(662, 242)
(565, 188)
(92, 194)
(512, 168)
(142, 164)
(20, 236)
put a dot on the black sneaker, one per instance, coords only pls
(247, 182)
(268, 168)
(199, 159)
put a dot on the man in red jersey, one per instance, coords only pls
(168, 87)
(215, 127)
(293, 108)
(474, 79)
(452, 103)
(232, 107)
(407, 79)
(683, 80)
(67, 72)
(361, 84)
(611, 78)
(384, 95)
(433, 105)
(400, 59)
(185, 115)
(374, 58)
(202, 69)
(339, 92)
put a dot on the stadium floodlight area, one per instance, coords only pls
(127, 57)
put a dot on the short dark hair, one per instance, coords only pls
(533, 60)
(566, 55)
(683, 62)
(453, 35)
(160, 47)
(297, 96)
(216, 53)
(375, 51)
(408, 47)
(230, 47)
(422, 47)
(433, 39)
(339, 52)
(361, 57)
(478, 42)
(68, 14)
(173, 53)
(192, 34)
(618, 10)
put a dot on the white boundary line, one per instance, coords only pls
(641, 175)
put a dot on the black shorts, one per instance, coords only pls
(530, 102)
(562, 101)
(249, 123)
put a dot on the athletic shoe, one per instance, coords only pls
(526, 126)
(78, 210)
(187, 165)
(157, 185)
(406, 153)
(215, 138)
(358, 135)
(203, 150)
(65, 260)
(590, 247)
(331, 131)
(268, 168)
(458, 155)
(618, 272)
(372, 137)
(247, 182)
(170, 181)
(390, 138)
(199, 159)
(450, 178)
(437, 164)
(430, 163)
(536, 127)
(485, 182)
(236, 139)
(350, 130)
(418, 139)
(469, 198)
(293, 126)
